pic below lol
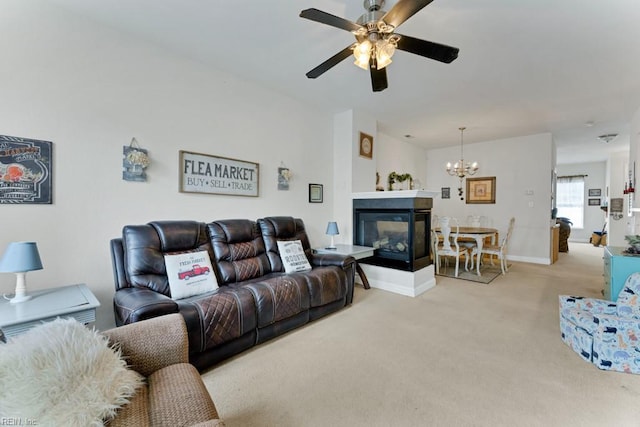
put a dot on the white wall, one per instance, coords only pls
(401, 157)
(594, 217)
(634, 153)
(521, 165)
(90, 90)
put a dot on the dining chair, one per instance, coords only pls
(499, 250)
(446, 243)
(434, 236)
(477, 221)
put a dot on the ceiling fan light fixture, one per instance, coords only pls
(607, 138)
(362, 53)
(384, 52)
(374, 25)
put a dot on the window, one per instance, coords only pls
(570, 202)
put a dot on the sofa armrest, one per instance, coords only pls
(152, 344)
(132, 305)
(324, 260)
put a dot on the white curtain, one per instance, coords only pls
(570, 201)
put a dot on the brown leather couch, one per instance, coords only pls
(256, 300)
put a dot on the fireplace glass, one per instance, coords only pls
(400, 237)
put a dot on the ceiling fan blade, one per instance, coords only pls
(403, 10)
(378, 78)
(331, 62)
(437, 51)
(329, 19)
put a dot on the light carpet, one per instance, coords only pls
(457, 355)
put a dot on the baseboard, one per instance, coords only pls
(406, 283)
(531, 260)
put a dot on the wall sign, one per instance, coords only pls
(204, 173)
(25, 170)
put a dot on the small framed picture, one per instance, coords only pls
(594, 202)
(315, 193)
(445, 192)
(366, 145)
(595, 192)
(481, 190)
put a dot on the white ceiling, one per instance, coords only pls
(525, 66)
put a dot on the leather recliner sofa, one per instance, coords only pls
(256, 300)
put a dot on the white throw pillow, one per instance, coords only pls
(62, 373)
(190, 274)
(292, 256)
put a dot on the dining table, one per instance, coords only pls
(478, 234)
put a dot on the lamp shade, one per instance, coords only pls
(20, 257)
(332, 228)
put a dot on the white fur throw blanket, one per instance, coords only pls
(61, 373)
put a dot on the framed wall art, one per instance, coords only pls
(481, 190)
(366, 145)
(445, 192)
(204, 173)
(594, 202)
(594, 192)
(315, 193)
(25, 170)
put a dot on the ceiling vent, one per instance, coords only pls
(607, 138)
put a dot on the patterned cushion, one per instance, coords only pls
(628, 304)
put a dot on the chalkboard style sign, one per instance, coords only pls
(203, 173)
(25, 171)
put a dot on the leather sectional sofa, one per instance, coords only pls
(256, 300)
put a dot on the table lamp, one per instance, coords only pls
(19, 258)
(332, 230)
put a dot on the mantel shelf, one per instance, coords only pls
(396, 194)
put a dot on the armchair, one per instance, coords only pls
(602, 332)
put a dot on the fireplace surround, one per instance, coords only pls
(397, 227)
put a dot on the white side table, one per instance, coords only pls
(358, 252)
(75, 301)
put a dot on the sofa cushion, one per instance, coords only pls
(145, 246)
(178, 397)
(222, 316)
(134, 413)
(190, 274)
(277, 296)
(293, 257)
(325, 285)
(238, 250)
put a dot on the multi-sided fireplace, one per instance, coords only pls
(398, 229)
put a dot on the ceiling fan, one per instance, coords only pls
(376, 39)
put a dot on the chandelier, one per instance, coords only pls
(460, 168)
